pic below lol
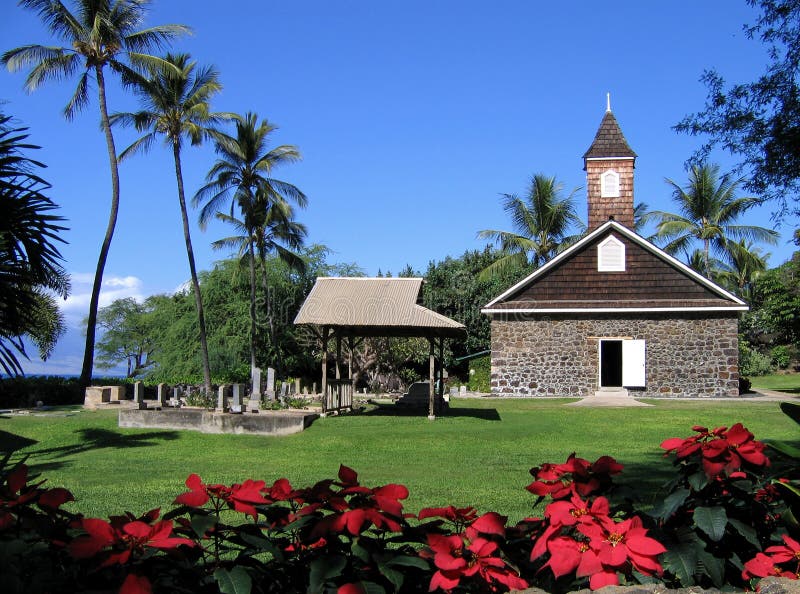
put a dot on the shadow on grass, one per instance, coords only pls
(10, 442)
(94, 439)
(647, 476)
(391, 410)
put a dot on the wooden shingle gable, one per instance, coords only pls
(649, 280)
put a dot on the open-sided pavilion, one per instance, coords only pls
(352, 308)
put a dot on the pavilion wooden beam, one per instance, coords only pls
(432, 384)
(325, 331)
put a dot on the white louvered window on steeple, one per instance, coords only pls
(611, 255)
(609, 184)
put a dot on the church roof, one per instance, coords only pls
(609, 141)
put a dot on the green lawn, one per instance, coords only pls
(789, 382)
(478, 455)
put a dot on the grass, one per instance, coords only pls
(785, 382)
(478, 455)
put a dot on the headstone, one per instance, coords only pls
(118, 393)
(284, 389)
(255, 376)
(305, 391)
(138, 395)
(462, 391)
(222, 398)
(236, 398)
(314, 388)
(297, 386)
(161, 394)
(453, 392)
(96, 396)
(270, 383)
(175, 401)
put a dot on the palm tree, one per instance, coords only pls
(541, 222)
(175, 99)
(98, 34)
(242, 176)
(709, 209)
(745, 263)
(268, 227)
(30, 263)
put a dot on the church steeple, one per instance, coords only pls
(609, 164)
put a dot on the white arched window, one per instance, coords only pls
(611, 255)
(609, 184)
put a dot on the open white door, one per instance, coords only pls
(633, 371)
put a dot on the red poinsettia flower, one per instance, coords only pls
(351, 589)
(619, 543)
(136, 584)
(241, 497)
(576, 511)
(575, 475)
(458, 515)
(454, 559)
(121, 537)
(762, 566)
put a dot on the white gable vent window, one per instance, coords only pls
(611, 255)
(609, 184)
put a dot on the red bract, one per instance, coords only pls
(722, 450)
(620, 543)
(576, 510)
(17, 492)
(122, 537)
(136, 584)
(762, 566)
(456, 559)
(576, 475)
(241, 497)
(458, 515)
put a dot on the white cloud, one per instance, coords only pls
(76, 306)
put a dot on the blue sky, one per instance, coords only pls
(412, 117)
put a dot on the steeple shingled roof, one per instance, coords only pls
(609, 141)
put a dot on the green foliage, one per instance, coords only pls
(752, 362)
(480, 374)
(127, 336)
(780, 356)
(757, 120)
(30, 263)
(776, 301)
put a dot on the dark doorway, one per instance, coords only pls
(610, 363)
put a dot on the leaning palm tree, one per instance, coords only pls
(708, 211)
(175, 99)
(744, 264)
(30, 263)
(267, 227)
(542, 222)
(98, 34)
(241, 177)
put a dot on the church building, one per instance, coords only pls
(614, 313)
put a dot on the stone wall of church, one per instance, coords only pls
(686, 354)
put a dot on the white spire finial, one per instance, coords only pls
(608, 101)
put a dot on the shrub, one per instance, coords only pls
(480, 371)
(751, 362)
(780, 356)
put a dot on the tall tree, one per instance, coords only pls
(708, 212)
(744, 265)
(241, 177)
(757, 121)
(266, 229)
(542, 221)
(99, 34)
(127, 336)
(30, 263)
(175, 99)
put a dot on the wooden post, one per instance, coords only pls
(325, 330)
(432, 387)
(350, 361)
(338, 355)
(441, 372)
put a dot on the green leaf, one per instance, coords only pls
(235, 581)
(360, 552)
(712, 566)
(373, 588)
(748, 532)
(408, 561)
(712, 521)
(202, 523)
(785, 449)
(669, 505)
(394, 576)
(262, 544)
(324, 569)
(698, 481)
(681, 560)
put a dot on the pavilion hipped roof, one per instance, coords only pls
(363, 306)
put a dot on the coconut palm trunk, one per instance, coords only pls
(251, 252)
(198, 298)
(88, 353)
